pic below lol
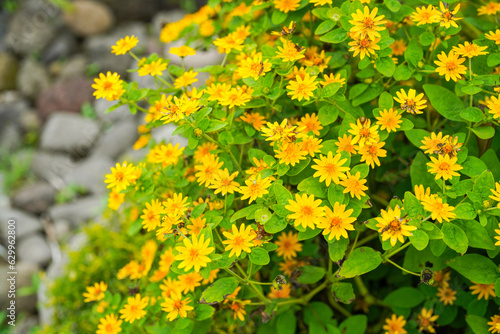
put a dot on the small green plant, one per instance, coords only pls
(69, 193)
(15, 168)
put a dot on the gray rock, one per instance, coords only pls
(62, 46)
(117, 139)
(74, 67)
(35, 198)
(32, 78)
(10, 137)
(29, 121)
(121, 113)
(164, 133)
(69, 133)
(8, 71)
(52, 167)
(62, 229)
(25, 271)
(90, 173)
(78, 211)
(25, 223)
(88, 18)
(34, 248)
(25, 325)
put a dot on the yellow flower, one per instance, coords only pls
(450, 66)
(280, 294)
(422, 193)
(203, 150)
(124, 45)
(286, 6)
(302, 88)
(238, 309)
(389, 120)
(166, 260)
(238, 241)
(95, 293)
(254, 67)
(446, 295)
(207, 28)
(364, 46)
(289, 266)
(156, 67)
(438, 209)
(353, 185)
(330, 168)
(394, 227)
(491, 8)
(115, 199)
(363, 132)
(216, 91)
(495, 324)
(165, 154)
(255, 187)
(231, 42)
(197, 224)
(211, 277)
(224, 183)
(425, 15)
(337, 222)
(169, 286)
(254, 118)
(411, 103)
(395, 325)
(109, 325)
(426, 320)
(188, 282)
(371, 152)
(237, 96)
(175, 306)
(306, 211)
(310, 122)
(176, 205)
(279, 132)
(331, 78)
(346, 144)
(108, 86)
(194, 253)
(289, 52)
(493, 104)
(134, 309)
(291, 153)
(483, 290)
(366, 24)
(142, 141)
(448, 17)
(186, 79)
(288, 245)
(494, 36)
(311, 145)
(101, 307)
(496, 194)
(209, 167)
(470, 50)
(444, 167)
(182, 51)
(398, 47)
(151, 217)
(122, 175)
(431, 144)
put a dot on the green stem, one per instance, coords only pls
(403, 269)
(354, 243)
(232, 273)
(388, 256)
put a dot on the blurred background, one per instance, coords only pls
(56, 141)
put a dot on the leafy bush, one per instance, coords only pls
(339, 176)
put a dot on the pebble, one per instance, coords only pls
(117, 139)
(88, 18)
(79, 211)
(25, 224)
(34, 198)
(8, 71)
(32, 78)
(90, 174)
(34, 248)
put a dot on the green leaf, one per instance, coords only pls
(402, 72)
(335, 36)
(311, 274)
(475, 267)
(493, 59)
(406, 297)
(385, 101)
(385, 66)
(278, 17)
(282, 194)
(427, 38)
(497, 287)
(246, 211)
(263, 215)
(406, 125)
(337, 249)
(354, 324)
(414, 53)
(361, 261)
(217, 291)
(203, 311)
(455, 238)
(473, 166)
(275, 225)
(328, 114)
(134, 228)
(294, 170)
(330, 89)
(412, 205)
(336, 194)
(343, 292)
(371, 93)
(471, 89)
(479, 325)
(419, 239)
(215, 125)
(198, 210)
(324, 27)
(259, 256)
(484, 183)
(444, 101)
(465, 211)
(484, 132)
(472, 114)
(363, 170)
(312, 186)
(193, 141)
(393, 5)
(477, 234)
(286, 322)
(308, 233)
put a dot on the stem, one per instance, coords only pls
(470, 79)
(388, 256)
(354, 243)
(232, 273)
(224, 60)
(403, 269)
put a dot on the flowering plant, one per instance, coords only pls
(340, 171)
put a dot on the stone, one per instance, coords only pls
(12, 107)
(117, 139)
(26, 270)
(34, 198)
(69, 133)
(8, 71)
(34, 248)
(90, 174)
(25, 224)
(88, 18)
(121, 113)
(63, 46)
(25, 325)
(62, 229)
(52, 167)
(68, 95)
(10, 138)
(74, 67)
(29, 121)
(79, 211)
(32, 78)
(129, 10)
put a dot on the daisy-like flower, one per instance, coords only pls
(364, 46)
(493, 105)
(276, 132)
(441, 278)
(438, 209)
(470, 50)
(224, 182)
(450, 66)
(95, 292)
(320, 2)
(306, 211)
(152, 215)
(366, 23)
(176, 205)
(346, 144)
(289, 52)
(134, 309)
(494, 324)
(288, 245)
(496, 194)
(289, 266)
(165, 154)
(182, 51)
(364, 132)
(175, 306)
(231, 42)
(337, 222)
(446, 295)
(331, 78)
(310, 122)
(255, 187)
(216, 91)
(425, 15)
(194, 253)
(238, 309)
(169, 286)
(237, 96)
(330, 168)
(187, 78)
(115, 199)
(370, 153)
(431, 144)
(302, 88)
(203, 150)
(189, 282)
(124, 45)
(483, 290)
(109, 325)
(156, 67)
(108, 86)
(291, 153)
(239, 240)
(353, 185)
(311, 145)
(448, 17)
(286, 6)
(422, 193)
(197, 224)
(398, 47)
(491, 8)
(444, 167)
(122, 175)
(211, 277)
(494, 36)
(254, 67)
(392, 226)
(395, 325)
(389, 120)
(411, 103)
(426, 320)
(209, 167)
(254, 118)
